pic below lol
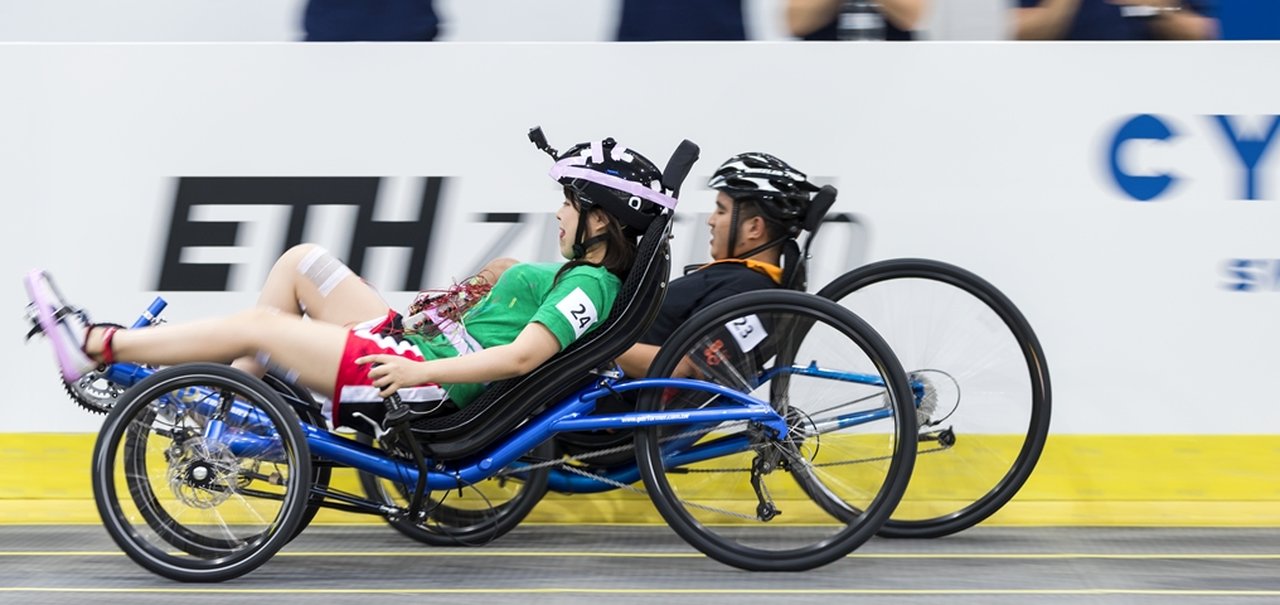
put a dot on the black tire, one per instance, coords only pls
(474, 515)
(174, 532)
(958, 334)
(833, 481)
(321, 472)
(193, 510)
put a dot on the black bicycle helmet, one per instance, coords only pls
(619, 180)
(781, 192)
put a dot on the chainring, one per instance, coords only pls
(93, 391)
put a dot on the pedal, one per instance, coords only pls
(58, 315)
(34, 320)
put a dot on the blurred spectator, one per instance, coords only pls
(817, 19)
(370, 20)
(1115, 20)
(647, 20)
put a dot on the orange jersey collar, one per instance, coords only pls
(773, 271)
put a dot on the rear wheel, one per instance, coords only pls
(982, 382)
(754, 499)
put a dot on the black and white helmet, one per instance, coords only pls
(782, 192)
(619, 180)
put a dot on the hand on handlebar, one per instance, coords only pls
(390, 373)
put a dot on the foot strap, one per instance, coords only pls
(107, 356)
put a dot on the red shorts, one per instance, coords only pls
(374, 337)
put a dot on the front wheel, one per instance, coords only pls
(201, 473)
(981, 380)
(747, 495)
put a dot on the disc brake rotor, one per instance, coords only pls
(201, 477)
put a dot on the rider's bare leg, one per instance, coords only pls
(312, 349)
(308, 280)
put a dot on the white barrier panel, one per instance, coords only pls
(1022, 163)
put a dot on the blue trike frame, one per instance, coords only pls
(571, 415)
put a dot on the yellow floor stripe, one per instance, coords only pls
(1144, 480)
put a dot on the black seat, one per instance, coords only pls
(795, 262)
(506, 404)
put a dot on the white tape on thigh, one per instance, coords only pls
(325, 271)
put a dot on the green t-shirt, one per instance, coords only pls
(529, 293)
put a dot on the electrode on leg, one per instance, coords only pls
(323, 269)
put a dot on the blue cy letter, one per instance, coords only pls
(1250, 151)
(1145, 127)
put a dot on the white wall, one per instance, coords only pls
(950, 156)
(466, 20)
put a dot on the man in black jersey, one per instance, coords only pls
(760, 205)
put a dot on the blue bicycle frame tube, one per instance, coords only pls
(749, 408)
(917, 392)
(559, 418)
(813, 370)
(149, 316)
(127, 374)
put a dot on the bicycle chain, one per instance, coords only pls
(596, 454)
(564, 464)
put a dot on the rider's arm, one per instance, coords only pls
(575, 305)
(685, 295)
(535, 345)
(494, 269)
(635, 361)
